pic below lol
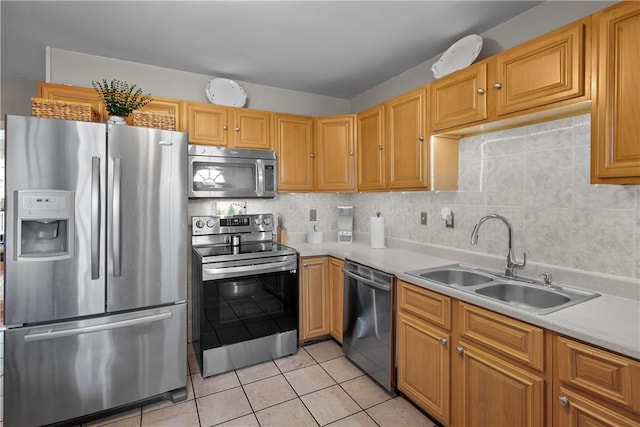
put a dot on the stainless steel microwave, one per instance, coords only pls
(231, 172)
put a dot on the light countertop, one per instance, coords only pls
(608, 321)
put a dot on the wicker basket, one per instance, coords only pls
(67, 110)
(153, 120)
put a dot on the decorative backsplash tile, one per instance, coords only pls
(536, 176)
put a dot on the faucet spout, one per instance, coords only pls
(512, 264)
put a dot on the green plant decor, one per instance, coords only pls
(120, 99)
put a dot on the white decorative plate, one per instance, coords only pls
(225, 92)
(461, 54)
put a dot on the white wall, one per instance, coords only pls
(80, 69)
(530, 24)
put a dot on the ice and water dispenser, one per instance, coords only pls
(45, 225)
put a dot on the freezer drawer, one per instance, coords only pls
(67, 370)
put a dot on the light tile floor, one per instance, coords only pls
(316, 387)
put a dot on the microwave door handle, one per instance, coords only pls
(95, 218)
(260, 178)
(117, 220)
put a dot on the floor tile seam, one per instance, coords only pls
(309, 411)
(340, 419)
(255, 381)
(340, 382)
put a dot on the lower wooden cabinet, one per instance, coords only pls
(594, 387)
(336, 298)
(491, 391)
(423, 365)
(314, 297)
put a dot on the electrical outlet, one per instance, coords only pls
(423, 218)
(312, 215)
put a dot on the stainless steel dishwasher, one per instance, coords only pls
(369, 326)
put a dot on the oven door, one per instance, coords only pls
(248, 313)
(231, 177)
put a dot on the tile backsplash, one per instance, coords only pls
(536, 176)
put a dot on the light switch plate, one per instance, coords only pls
(312, 215)
(423, 218)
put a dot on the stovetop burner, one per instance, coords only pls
(224, 238)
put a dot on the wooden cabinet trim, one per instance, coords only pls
(314, 297)
(583, 412)
(370, 150)
(336, 296)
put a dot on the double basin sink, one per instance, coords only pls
(531, 295)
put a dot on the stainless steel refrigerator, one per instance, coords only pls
(95, 278)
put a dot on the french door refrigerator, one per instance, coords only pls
(95, 278)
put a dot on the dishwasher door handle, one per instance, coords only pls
(369, 282)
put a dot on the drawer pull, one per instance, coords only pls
(459, 349)
(563, 400)
(497, 85)
(480, 91)
(443, 341)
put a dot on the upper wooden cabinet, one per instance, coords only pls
(295, 152)
(460, 98)
(407, 140)
(371, 158)
(615, 108)
(228, 126)
(73, 93)
(545, 70)
(90, 96)
(335, 153)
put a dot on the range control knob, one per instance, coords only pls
(266, 220)
(258, 220)
(210, 223)
(199, 223)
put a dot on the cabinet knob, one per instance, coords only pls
(480, 91)
(497, 85)
(305, 265)
(380, 147)
(311, 155)
(237, 129)
(459, 349)
(421, 138)
(225, 127)
(563, 400)
(443, 341)
(351, 153)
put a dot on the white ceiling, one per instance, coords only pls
(333, 48)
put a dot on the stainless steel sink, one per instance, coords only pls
(527, 294)
(456, 276)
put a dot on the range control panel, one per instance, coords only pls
(204, 225)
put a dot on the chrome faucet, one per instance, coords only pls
(512, 264)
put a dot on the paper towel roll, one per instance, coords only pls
(377, 232)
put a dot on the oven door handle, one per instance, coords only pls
(249, 270)
(368, 282)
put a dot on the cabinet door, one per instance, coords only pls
(547, 69)
(615, 108)
(407, 161)
(492, 392)
(460, 98)
(423, 365)
(252, 129)
(314, 296)
(371, 149)
(73, 93)
(335, 155)
(172, 107)
(294, 149)
(336, 293)
(207, 124)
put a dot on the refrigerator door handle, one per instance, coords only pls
(117, 231)
(95, 218)
(51, 334)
